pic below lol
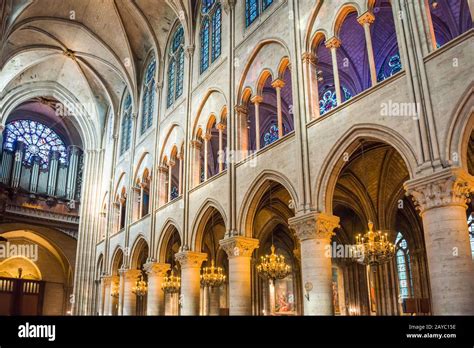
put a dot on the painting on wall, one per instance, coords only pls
(335, 291)
(284, 296)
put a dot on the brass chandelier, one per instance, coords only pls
(140, 289)
(212, 276)
(171, 283)
(374, 248)
(114, 291)
(273, 266)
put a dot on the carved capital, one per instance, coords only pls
(278, 83)
(314, 226)
(221, 126)
(190, 259)
(309, 58)
(366, 17)
(207, 136)
(257, 99)
(154, 269)
(2, 127)
(333, 42)
(190, 50)
(196, 144)
(238, 246)
(241, 109)
(452, 186)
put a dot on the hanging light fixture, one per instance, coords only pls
(212, 276)
(114, 291)
(373, 248)
(140, 289)
(171, 283)
(273, 266)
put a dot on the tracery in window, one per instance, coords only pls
(211, 26)
(176, 67)
(148, 96)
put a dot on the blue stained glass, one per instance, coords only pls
(266, 4)
(270, 136)
(174, 192)
(126, 126)
(390, 67)
(148, 96)
(403, 267)
(251, 11)
(207, 5)
(204, 45)
(470, 224)
(347, 94)
(328, 101)
(216, 33)
(176, 67)
(171, 78)
(39, 141)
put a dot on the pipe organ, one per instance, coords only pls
(56, 179)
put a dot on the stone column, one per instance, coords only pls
(257, 100)
(333, 44)
(155, 296)
(196, 162)
(278, 84)
(310, 67)
(190, 280)
(162, 196)
(441, 199)
(206, 138)
(214, 301)
(314, 231)
(105, 295)
(221, 157)
(242, 113)
(129, 278)
(239, 251)
(366, 19)
(180, 180)
(171, 164)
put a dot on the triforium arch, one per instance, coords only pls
(210, 209)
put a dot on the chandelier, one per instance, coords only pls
(140, 288)
(114, 292)
(171, 284)
(273, 266)
(374, 248)
(212, 276)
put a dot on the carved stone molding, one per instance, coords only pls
(333, 42)
(452, 186)
(190, 259)
(156, 269)
(366, 17)
(314, 226)
(238, 246)
(309, 58)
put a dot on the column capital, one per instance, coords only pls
(278, 83)
(451, 186)
(257, 99)
(2, 127)
(314, 225)
(366, 17)
(333, 42)
(171, 162)
(207, 136)
(156, 269)
(190, 259)
(221, 126)
(239, 246)
(130, 274)
(241, 109)
(196, 144)
(309, 58)
(162, 169)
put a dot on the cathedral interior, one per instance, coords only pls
(235, 158)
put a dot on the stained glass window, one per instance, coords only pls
(328, 101)
(211, 25)
(126, 126)
(174, 193)
(148, 96)
(251, 11)
(39, 141)
(390, 67)
(253, 8)
(405, 280)
(176, 67)
(345, 92)
(270, 136)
